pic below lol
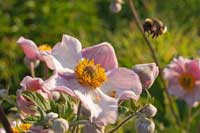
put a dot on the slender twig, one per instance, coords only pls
(5, 121)
(122, 123)
(32, 69)
(150, 46)
(80, 122)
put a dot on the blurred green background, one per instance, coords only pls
(91, 21)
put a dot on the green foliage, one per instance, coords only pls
(92, 22)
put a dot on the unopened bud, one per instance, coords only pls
(27, 62)
(51, 116)
(92, 128)
(56, 95)
(149, 110)
(147, 73)
(60, 125)
(144, 125)
(3, 93)
(116, 6)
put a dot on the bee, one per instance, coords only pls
(154, 27)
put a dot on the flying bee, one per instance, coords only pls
(154, 27)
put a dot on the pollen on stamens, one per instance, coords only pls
(21, 127)
(45, 47)
(90, 74)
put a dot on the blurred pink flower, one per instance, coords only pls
(183, 76)
(30, 84)
(147, 73)
(92, 75)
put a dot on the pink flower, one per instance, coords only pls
(32, 52)
(147, 73)
(183, 76)
(92, 75)
(30, 84)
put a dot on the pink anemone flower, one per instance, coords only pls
(30, 84)
(92, 75)
(183, 76)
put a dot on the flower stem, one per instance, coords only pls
(75, 129)
(5, 121)
(189, 119)
(122, 123)
(150, 46)
(32, 69)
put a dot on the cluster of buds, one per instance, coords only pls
(55, 124)
(144, 122)
(116, 6)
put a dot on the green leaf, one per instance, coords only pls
(37, 99)
(32, 119)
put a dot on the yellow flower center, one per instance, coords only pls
(45, 47)
(15, 130)
(21, 127)
(187, 81)
(90, 74)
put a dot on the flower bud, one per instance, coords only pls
(147, 73)
(60, 125)
(51, 116)
(3, 93)
(116, 6)
(56, 95)
(27, 62)
(92, 128)
(149, 110)
(144, 125)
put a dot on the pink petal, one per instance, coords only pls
(25, 105)
(61, 84)
(103, 108)
(34, 84)
(68, 52)
(53, 63)
(193, 67)
(29, 47)
(102, 54)
(29, 83)
(124, 82)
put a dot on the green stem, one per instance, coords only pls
(150, 46)
(32, 69)
(189, 118)
(122, 123)
(75, 129)
(80, 122)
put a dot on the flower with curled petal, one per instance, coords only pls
(32, 51)
(92, 76)
(183, 76)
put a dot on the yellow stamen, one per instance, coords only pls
(187, 81)
(21, 127)
(15, 130)
(25, 127)
(90, 74)
(45, 47)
